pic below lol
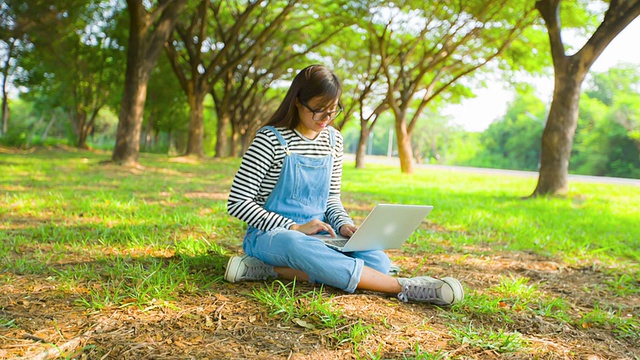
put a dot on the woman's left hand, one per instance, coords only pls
(347, 230)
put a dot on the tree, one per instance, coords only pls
(364, 91)
(569, 73)
(13, 28)
(70, 61)
(246, 95)
(426, 48)
(149, 29)
(200, 60)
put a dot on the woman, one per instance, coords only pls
(288, 187)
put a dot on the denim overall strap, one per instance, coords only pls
(332, 139)
(283, 142)
(302, 190)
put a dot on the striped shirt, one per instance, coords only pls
(260, 170)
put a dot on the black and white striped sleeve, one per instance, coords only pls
(245, 197)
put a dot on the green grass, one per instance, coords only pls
(116, 237)
(596, 221)
(311, 310)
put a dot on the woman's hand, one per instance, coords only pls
(347, 230)
(314, 227)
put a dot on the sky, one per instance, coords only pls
(491, 102)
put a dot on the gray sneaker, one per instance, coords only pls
(446, 291)
(247, 268)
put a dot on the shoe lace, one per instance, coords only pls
(257, 271)
(422, 292)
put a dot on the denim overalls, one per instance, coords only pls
(301, 194)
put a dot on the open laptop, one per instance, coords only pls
(387, 226)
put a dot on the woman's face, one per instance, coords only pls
(315, 115)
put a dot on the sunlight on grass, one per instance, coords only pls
(595, 221)
(489, 339)
(623, 323)
(311, 310)
(107, 237)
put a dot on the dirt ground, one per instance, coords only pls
(40, 319)
(227, 323)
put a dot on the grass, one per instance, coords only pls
(111, 238)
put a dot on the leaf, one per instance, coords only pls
(304, 324)
(221, 297)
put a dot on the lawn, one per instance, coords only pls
(99, 261)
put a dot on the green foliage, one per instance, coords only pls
(513, 142)
(71, 62)
(606, 141)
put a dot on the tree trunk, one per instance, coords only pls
(196, 125)
(222, 138)
(557, 138)
(569, 73)
(146, 38)
(5, 113)
(404, 146)
(4, 125)
(81, 133)
(235, 143)
(127, 146)
(361, 150)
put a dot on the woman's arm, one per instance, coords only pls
(247, 184)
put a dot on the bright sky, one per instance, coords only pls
(491, 103)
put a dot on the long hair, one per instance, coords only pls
(310, 82)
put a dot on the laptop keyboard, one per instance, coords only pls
(336, 242)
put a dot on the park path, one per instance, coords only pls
(386, 160)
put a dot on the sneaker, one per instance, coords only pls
(247, 268)
(446, 291)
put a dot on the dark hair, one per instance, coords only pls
(312, 81)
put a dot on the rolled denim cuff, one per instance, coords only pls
(355, 276)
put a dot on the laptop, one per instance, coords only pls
(387, 226)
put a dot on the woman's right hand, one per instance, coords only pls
(313, 227)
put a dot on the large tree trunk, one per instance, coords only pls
(127, 146)
(404, 146)
(146, 38)
(557, 138)
(569, 72)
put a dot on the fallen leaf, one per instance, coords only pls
(221, 297)
(304, 324)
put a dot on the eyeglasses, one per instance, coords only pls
(321, 115)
